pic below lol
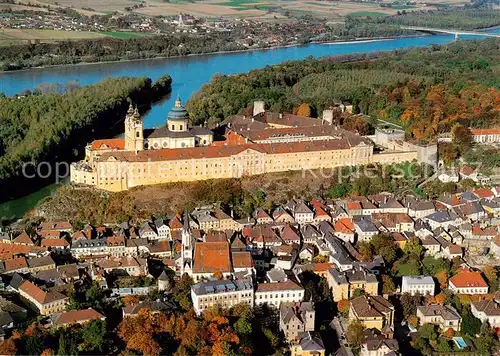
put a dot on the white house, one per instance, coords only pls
(423, 285)
(273, 294)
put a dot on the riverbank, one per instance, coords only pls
(160, 57)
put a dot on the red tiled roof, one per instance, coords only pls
(78, 316)
(321, 267)
(242, 260)
(483, 192)
(354, 205)
(226, 151)
(175, 224)
(23, 238)
(492, 131)
(55, 225)
(344, 225)
(54, 243)
(111, 143)
(15, 264)
(464, 279)
(211, 257)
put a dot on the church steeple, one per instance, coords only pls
(187, 247)
(178, 117)
(134, 136)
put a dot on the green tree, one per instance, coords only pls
(94, 334)
(413, 247)
(428, 331)
(388, 286)
(470, 324)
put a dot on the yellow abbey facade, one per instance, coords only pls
(264, 143)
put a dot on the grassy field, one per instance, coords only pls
(252, 9)
(367, 13)
(125, 35)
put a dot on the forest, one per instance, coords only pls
(427, 91)
(50, 126)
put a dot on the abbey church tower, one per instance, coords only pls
(134, 135)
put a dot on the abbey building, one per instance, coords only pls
(263, 143)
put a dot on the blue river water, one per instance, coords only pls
(190, 73)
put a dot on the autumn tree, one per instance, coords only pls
(388, 286)
(8, 347)
(343, 306)
(413, 320)
(355, 332)
(462, 138)
(304, 110)
(131, 299)
(491, 274)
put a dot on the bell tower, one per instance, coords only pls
(134, 136)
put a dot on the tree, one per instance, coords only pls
(63, 345)
(131, 299)
(444, 346)
(338, 191)
(470, 324)
(343, 306)
(93, 334)
(413, 320)
(304, 110)
(388, 286)
(442, 277)
(358, 293)
(485, 343)
(47, 352)
(491, 274)
(462, 138)
(428, 331)
(413, 247)
(355, 336)
(365, 250)
(8, 347)
(409, 304)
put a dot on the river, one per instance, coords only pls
(188, 74)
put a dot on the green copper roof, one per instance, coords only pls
(178, 112)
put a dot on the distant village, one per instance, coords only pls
(260, 260)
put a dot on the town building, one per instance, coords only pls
(379, 347)
(309, 344)
(273, 294)
(76, 317)
(491, 135)
(46, 303)
(444, 316)
(373, 311)
(423, 285)
(343, 284)
(265, 143)
(296, 318)
(487, 311)
(468, 282)
(224, 293)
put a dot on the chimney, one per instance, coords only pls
(258, 107)
(328, 116)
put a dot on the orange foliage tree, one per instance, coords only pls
(131, 299)
(413, 320)
(442, 277)
(343, 307)
(8, 347)
(304, 110)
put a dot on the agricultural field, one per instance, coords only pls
(11, 36)
(254, 9)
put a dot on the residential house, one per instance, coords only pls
(290, 235)
(273, 294)
(280, 215)
(37, 264)
(423, 285)
(365, 228)
(343, 284)
(296, 318)
(224, 293)
(302, 214)
(76, 317)
(262, 216)
(444, 316)
(127, 265)
(431, 246)
(17, 264)
(391, 205)
(58, 246)
(373, 311)
(154, 307)
(95, 248)
(468, 282)
(309, 343)
(162, 230)
(344, 229)
(379, 347)
(46, 303)
(487, 311)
